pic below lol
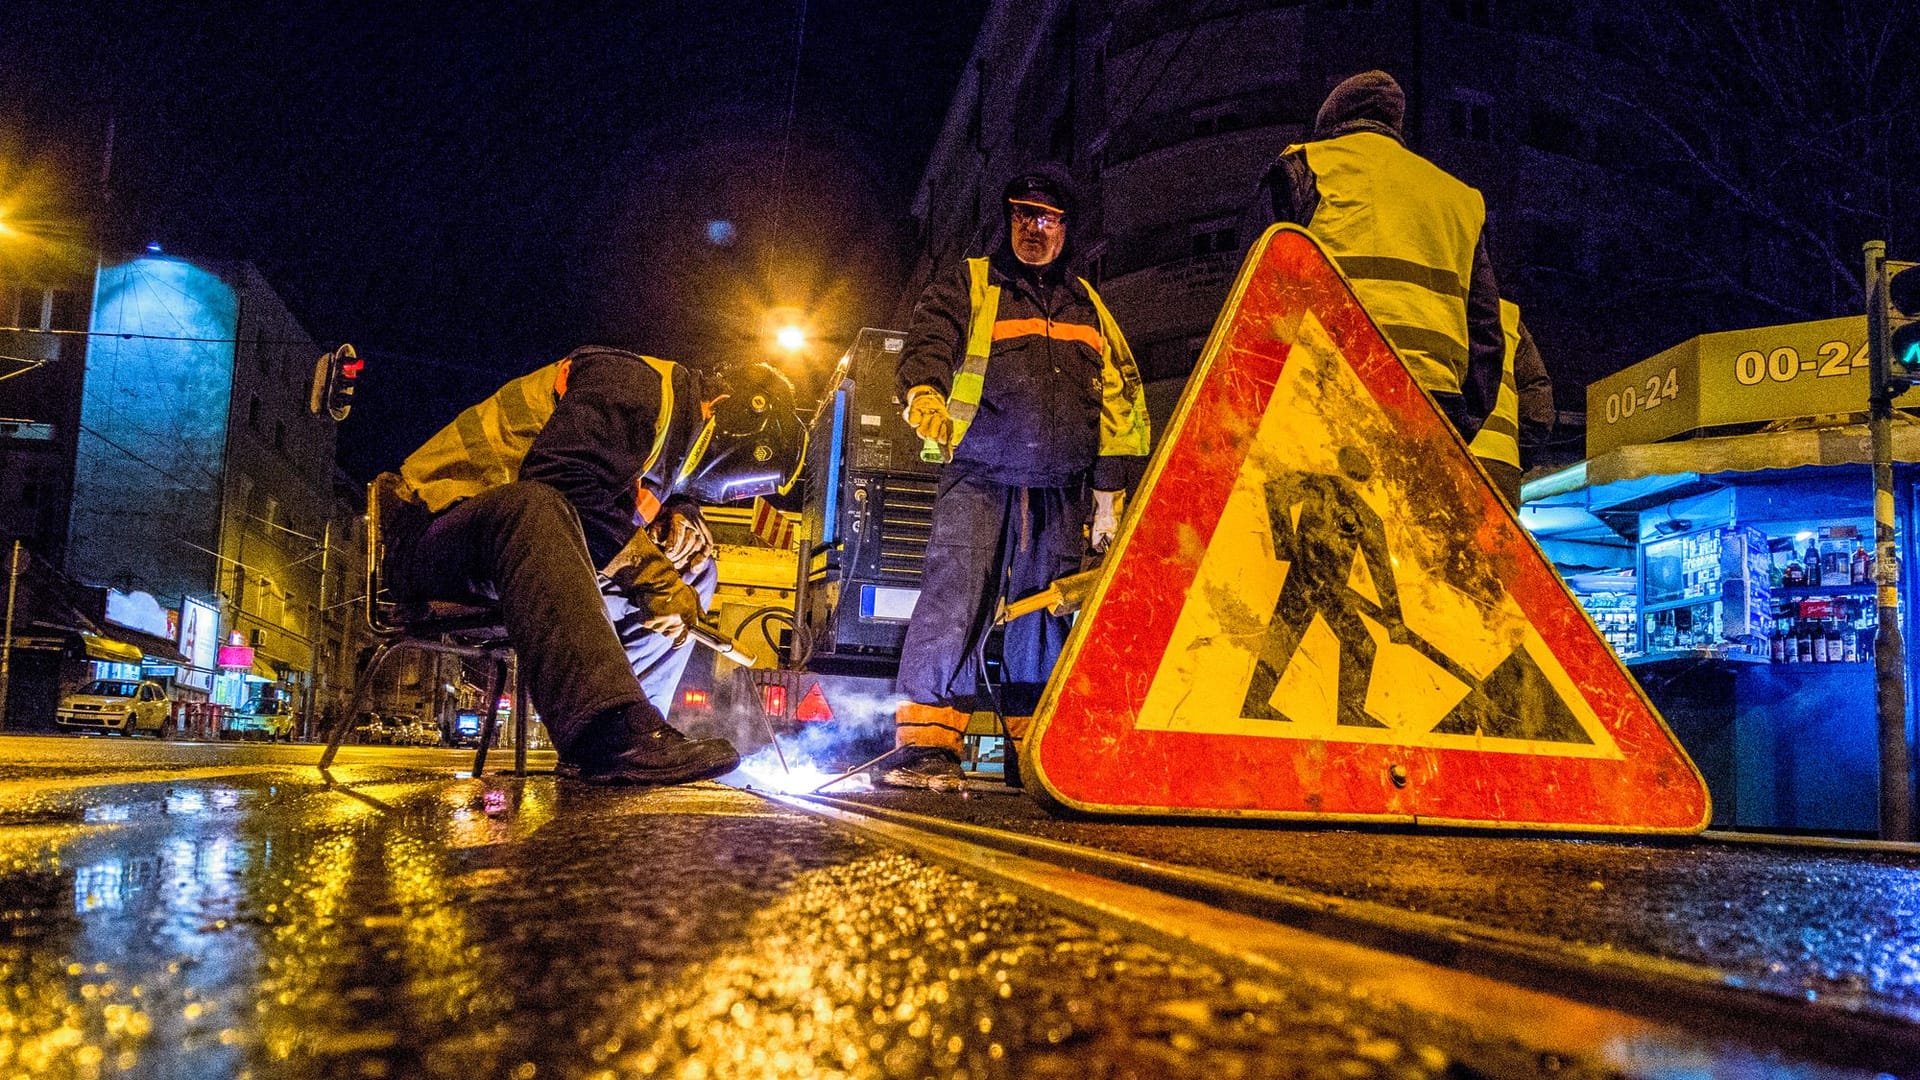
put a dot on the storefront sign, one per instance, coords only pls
(236, 656)
(1715, 380)
(199, 642)
(1319, 608)
(137, 611)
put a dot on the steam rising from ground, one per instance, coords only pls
(862, 726)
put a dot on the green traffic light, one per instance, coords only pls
(1906, 345)
(1903, 297)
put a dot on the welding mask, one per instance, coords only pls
(754, 441)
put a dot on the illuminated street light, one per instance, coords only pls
(791, 338)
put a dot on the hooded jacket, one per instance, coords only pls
(1055, 377)
(1357, 131)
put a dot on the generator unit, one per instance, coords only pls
(867, 517)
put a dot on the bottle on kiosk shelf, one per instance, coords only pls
(1858, 572)
(1813, 563)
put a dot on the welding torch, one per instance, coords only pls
(714, 638)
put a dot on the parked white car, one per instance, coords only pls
(123, 705)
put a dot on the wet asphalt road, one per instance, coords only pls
(1833, 925)
(194, 911)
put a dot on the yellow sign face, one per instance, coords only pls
(1322, 607)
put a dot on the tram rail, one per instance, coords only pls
(1504, 989)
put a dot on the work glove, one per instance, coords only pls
(642, 573)
(927, 414)
(1107, 508)
(683, 537)
(673, 613)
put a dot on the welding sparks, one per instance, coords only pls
(803, 760)
(762, 771)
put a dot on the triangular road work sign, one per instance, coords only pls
(1319, 608)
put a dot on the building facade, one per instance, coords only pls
(204, 483)
(43, 355)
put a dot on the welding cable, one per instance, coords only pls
(763, 616)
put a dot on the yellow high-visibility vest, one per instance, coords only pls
(1403, 232)
(1125, 430)
(483, 447)
(1499, 438)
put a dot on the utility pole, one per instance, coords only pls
(6, 637)
(322, 658)
(1890, 654)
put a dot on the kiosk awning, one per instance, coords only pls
(1849, 445)
(1844, 445)
(150, 645)
(1592, 502)
(102, 648)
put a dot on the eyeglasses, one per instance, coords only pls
(1039, 219)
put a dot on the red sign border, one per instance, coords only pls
(1212, 775)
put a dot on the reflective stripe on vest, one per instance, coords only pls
(483, 447)
(1124, 427)
(1499, 438)
(1403, 232)
(963, 403)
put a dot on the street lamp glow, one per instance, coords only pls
(791, 338)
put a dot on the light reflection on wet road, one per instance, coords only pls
(257, 923)
(1841, 926)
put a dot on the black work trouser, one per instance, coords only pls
(990, 539)
(522, 543)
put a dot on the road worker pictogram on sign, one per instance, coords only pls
(1318, 607)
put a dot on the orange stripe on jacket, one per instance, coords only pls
(1013, 328)
(645, 504)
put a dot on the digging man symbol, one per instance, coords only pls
(1337, 568)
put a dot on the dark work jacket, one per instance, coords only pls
(594, 448)
(1039, 419)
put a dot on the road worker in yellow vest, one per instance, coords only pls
(1018, 376)
(1523, 414)
(572, 497)
(1409, 238)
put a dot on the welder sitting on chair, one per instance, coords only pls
(572, 496)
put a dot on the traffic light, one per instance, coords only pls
(335, 375)
(1903, 319)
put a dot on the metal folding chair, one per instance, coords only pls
(473, 631)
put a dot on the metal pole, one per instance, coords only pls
(6, 638)
(1890, 654)
(318, 685)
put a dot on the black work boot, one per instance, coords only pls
(637, 747)
(926, 768)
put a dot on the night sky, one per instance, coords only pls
(464, 197)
